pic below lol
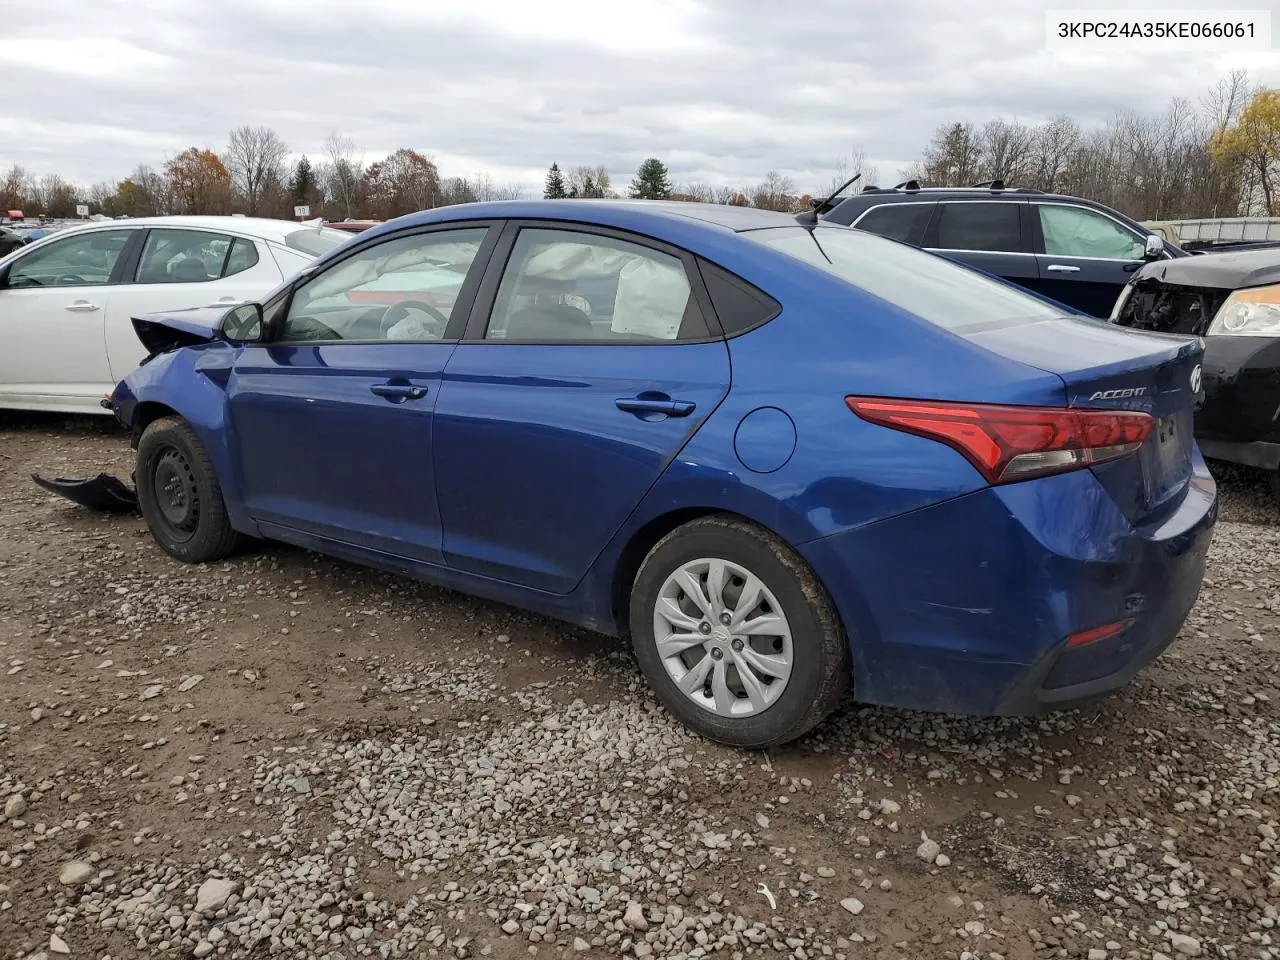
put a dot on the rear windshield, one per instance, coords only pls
(931, 287)
(315, 242)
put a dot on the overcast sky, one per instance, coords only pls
(722, 90)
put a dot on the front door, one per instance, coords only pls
(586, 376)
(1084, 257)
(53, 305)
(332, 418)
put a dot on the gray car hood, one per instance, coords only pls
(1224, 271)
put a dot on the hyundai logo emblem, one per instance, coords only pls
(1195, 379)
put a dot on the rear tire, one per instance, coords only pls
(179, 495)
(751, 654)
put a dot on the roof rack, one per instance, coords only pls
(996, 184)
(908, 185)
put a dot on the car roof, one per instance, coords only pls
(632, 213)
(260, 227)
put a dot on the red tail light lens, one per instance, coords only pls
(1013, 443)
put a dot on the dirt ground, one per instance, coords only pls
(284, 755)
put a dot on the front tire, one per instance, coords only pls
(735, 634)
(179, 495)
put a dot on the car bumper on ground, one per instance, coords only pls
(968, 606)
(1240, 419)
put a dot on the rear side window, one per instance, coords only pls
(898, 221)
(242, 256)
(931, 287)
(739, 305)
(980, 226)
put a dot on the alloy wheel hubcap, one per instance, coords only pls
(723, 637)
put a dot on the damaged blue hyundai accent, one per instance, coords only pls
(786, 457)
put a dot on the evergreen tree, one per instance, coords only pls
(589, 186)
(555, 189)
(652, 181)
(302, 184)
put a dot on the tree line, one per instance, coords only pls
(1219, 157)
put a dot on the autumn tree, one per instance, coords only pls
(53, 196)
(254, 158)
(652, 181)
(554, 188)
(199, 181)
(774, 192)
(1253, 142)
(15, 188)
(403, 182)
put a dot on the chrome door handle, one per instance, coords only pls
(82, 306)
(1061, 268)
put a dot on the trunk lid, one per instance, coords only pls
(1109, 367)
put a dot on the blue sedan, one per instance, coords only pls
(786, 458)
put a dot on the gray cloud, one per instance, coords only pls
(723, 89)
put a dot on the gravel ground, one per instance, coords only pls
(283, 755)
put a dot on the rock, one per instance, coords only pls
(203, 949)
(301, 785)
(75, 873)
(890, 807)
(928, 850)
(634, 917)
(1185, 945)
(1096, 954)
(975, 928)
(58, 945)
(826, 872)
(15, 806)
(189, 683)
(37, 714)
(213, 894)
(151, 692)
(762, 821)
(580, 945)
(942, 860)
(853, 905)
(510, 927)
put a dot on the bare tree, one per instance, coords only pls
(15, 188)
(587, 182)
(344, 172)
(855, 163)
(775, 192)
(953, 156)
(254, 159)
(1006, 150)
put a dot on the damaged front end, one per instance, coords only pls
(1151, 303)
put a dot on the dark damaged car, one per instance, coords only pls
(1232, 300)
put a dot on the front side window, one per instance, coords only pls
(568, 287)
(931, 287)
(1076, 232)
(996, 227)
(183, 256)
(400, 289)
(84, 260)
(897, 221)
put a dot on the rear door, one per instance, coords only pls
(1084, 257)
(332, 418)
(589, 362)
(991, 235)
(179, 268)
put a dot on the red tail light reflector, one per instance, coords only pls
(1013, 443)
(1086, 637)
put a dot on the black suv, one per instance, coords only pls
(1070, 250)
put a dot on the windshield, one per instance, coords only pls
(931, 287)
(314, 241)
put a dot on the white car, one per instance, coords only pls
(67, 300)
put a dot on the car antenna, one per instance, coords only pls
(810, 217)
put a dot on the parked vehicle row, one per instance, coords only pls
(784, 457)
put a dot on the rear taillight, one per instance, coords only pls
(1013, 443)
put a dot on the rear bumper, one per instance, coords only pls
(966, 606)
(1240, 419)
